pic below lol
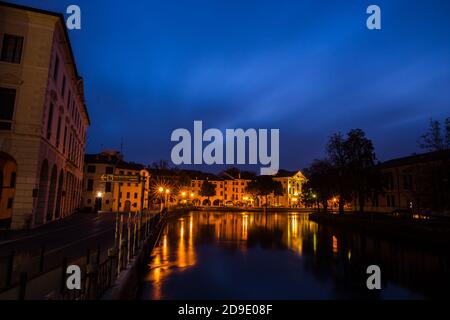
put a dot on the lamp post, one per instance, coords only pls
(160, 190)
(98, 202)
(167, 198)
(316, 201)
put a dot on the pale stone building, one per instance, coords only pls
(43, 118)
(292, 182)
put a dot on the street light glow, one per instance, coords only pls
(161, 189)
(99, 194)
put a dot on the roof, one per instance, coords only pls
(416, 159)
(66, 34)
(130, 166)
(285, 173)
(101, 158)
(112, 158)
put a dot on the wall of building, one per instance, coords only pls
(49, 171)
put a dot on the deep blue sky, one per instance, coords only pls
(310, 68)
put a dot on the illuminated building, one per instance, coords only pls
(99, 195)
(43, 119)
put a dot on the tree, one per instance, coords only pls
(208, 190)
(353, 161)
(432, 139)
(161, 165)
(337, 156)
(264, 186)
(361, 160)
(321, 182)
(252, 188)
(436, 138)
(307, 197)
(447, 133)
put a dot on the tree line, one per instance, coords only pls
(349, 171)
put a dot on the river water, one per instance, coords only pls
(252, 255)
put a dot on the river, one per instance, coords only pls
(252, 255)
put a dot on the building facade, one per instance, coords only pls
(232, 190)
(100, 195)
(292, 182)
(420, 183)
(43, 119)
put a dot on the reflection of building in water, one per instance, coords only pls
(169, 254)
(327, 252)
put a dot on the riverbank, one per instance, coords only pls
(435, 232)
(237, 209)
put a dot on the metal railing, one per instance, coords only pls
(138, 233)
(99, 268)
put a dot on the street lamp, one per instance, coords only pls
(167, 197)
(161, 190)
(317, 201)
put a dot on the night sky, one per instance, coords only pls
(309, 68)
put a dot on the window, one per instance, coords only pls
(49, 122)
(407, 182)
(128, 195)
(12, 48)
(63, 87)
(7, 100)
(108, 187)
(109, 170)
(58, 132)
(89, 201)
(10, 203)
(65, 139)
(91, 169)
(135, 195)
(107, 201)
(56, 68)
(12, 181)
(90, 185)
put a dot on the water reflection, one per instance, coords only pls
(223, 255)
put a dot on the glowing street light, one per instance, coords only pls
(99, 194)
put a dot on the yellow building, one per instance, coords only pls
(43, 118)
(99, 195)
(231, 189)
(292, 182)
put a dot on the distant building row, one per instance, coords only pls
(129, 196)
